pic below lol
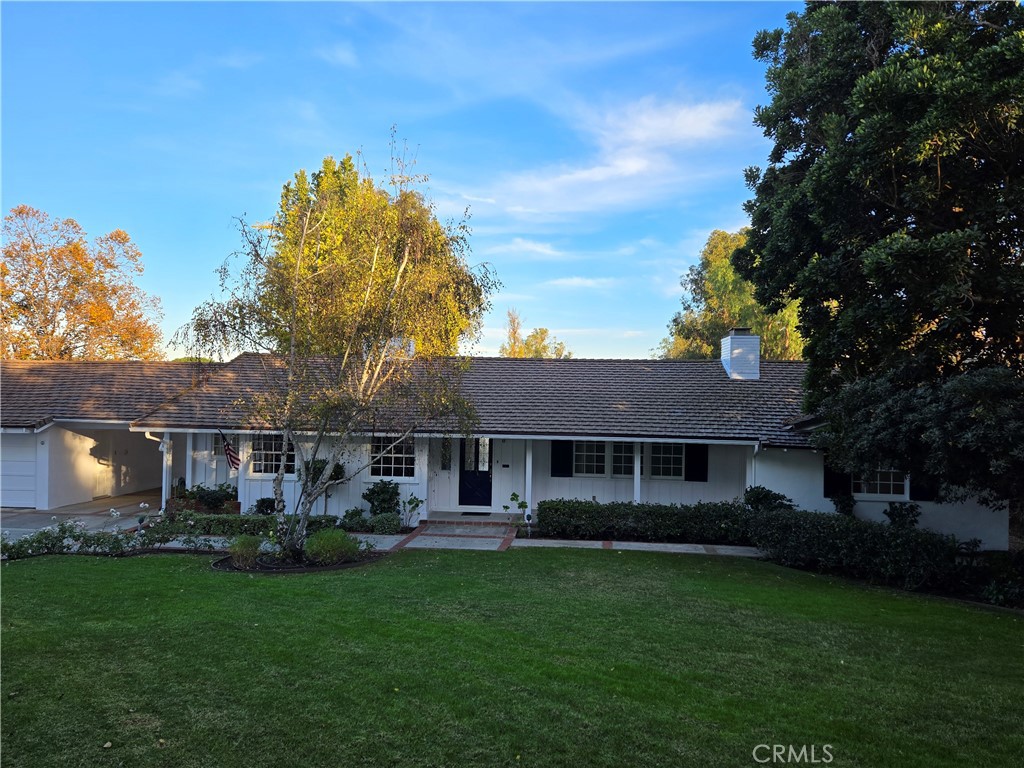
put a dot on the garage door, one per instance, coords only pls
(18, 471)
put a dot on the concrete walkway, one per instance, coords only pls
(94, 515)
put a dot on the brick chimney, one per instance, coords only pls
(741, 354)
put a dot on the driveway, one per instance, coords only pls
(95, 514)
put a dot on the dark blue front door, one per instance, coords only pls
(475, 473)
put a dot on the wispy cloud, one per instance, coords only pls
(341, 54)
(531, 249)
(189, 80)
(581, 282)
(643, 151)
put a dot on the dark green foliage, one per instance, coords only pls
(213, 498)
(891, 208)
(329, 547)
(702, 523)
(188, 523)
(313, 470)
(355, 521)
(322, 523)
(265, 506)
(761, 499)
(244, 549)
(902, 514)
(383, 497)
(386, 523)
(875, 552)
(844, 503)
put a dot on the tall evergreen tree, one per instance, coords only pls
(891, 208)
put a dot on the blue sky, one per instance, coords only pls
(595, 145)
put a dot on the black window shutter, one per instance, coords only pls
(695, 458)
(836, 483)
(923, 488)
(561, 458)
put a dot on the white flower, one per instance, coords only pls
(54, 517)
(143, 505)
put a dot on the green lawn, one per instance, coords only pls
(530, 657)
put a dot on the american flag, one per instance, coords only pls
(230, 453)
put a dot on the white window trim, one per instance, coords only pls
(611, 459)
(399, 479)
(252, 458)
(607, 457)
(649, 466)
(905, 496)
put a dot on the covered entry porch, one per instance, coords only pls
(477, 476)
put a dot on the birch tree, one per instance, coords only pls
(357, 298)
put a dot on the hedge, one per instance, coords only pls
(817, 541)
(702, 523)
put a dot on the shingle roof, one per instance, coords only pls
(33, 393)
(671, 399)
(635, 398)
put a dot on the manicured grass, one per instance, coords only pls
(529, 657)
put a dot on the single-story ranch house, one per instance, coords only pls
(642, 430)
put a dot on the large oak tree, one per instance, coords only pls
(63, 298)
(891, 208)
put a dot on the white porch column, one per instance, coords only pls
(165, 482)
(188, 460)
(638, 452)
(529, 476)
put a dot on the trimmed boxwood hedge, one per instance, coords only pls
(817, 541)
(702, 523)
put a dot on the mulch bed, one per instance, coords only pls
(265, 566)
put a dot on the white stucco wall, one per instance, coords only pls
(71, 467)
(18, 470)
(968, 520)
(798, 474)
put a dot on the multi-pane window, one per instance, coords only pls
(267, 454)
(883, 482)
(397, 460)
(666, 460)
(588, 457)
(622, 459)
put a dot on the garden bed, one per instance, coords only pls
(267, 566)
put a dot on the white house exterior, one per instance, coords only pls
(612, 430)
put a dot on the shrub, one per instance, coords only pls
(702, 523)
(244, 549)
(213, 498)
(385, 524)
(52, 540)
(383, 497)
(322, 523)
(355, 521)
(902, 514)
(761, 499)
(265, 506)
(330, 547)
(862, 549)
(844, 503)
(314, 469)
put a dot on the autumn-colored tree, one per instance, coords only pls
(538, 343)
(716, 299)
(357, 298)
(62, 298)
